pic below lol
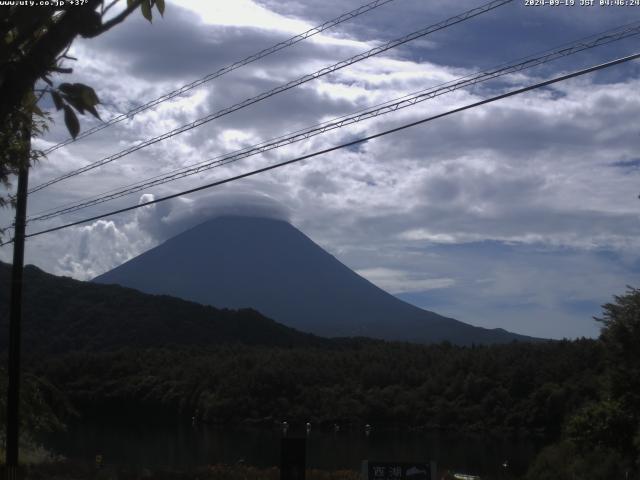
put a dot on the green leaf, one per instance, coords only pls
(160, 6)
(31, 99)
(57, 100)
(10, 36)
(31, 104)
(92, 110)
(67, 88)
(71, 121)
(80, 96)
(76, 102)
(37, 111)
(145, 7)
(88, 95)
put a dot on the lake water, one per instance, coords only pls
(180, 445)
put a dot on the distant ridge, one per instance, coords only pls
(62, 315)
(267, 264)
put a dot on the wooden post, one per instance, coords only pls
(15, 316)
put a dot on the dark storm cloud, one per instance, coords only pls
(632, 164)
(479, 42)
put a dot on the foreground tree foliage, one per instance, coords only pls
(43, 404)
(43, 409)
(34, 44)
(621, 338)
(563, 461)
(602, 440)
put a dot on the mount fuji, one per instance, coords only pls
(269, 265)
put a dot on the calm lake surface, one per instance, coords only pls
(180, 445)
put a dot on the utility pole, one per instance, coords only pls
(15, 314)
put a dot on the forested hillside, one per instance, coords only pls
(62, 315)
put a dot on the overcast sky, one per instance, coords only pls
(522, 214)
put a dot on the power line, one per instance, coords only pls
(345, 145)
(287, 86)
(381, 109)
(386, 107)
(224, 70)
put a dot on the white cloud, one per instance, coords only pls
(242, 13)
(397, 281)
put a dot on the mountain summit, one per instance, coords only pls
(268, 265)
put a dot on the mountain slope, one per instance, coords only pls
(62, 314)
(239, 262)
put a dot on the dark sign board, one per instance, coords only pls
(293, 458)
(396, 470)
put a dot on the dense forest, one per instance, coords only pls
(519, 388)
(559, 391)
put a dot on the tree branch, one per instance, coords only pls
(24, 73)
(115, 20)
(108, 7)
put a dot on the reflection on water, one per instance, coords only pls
(181, 445)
